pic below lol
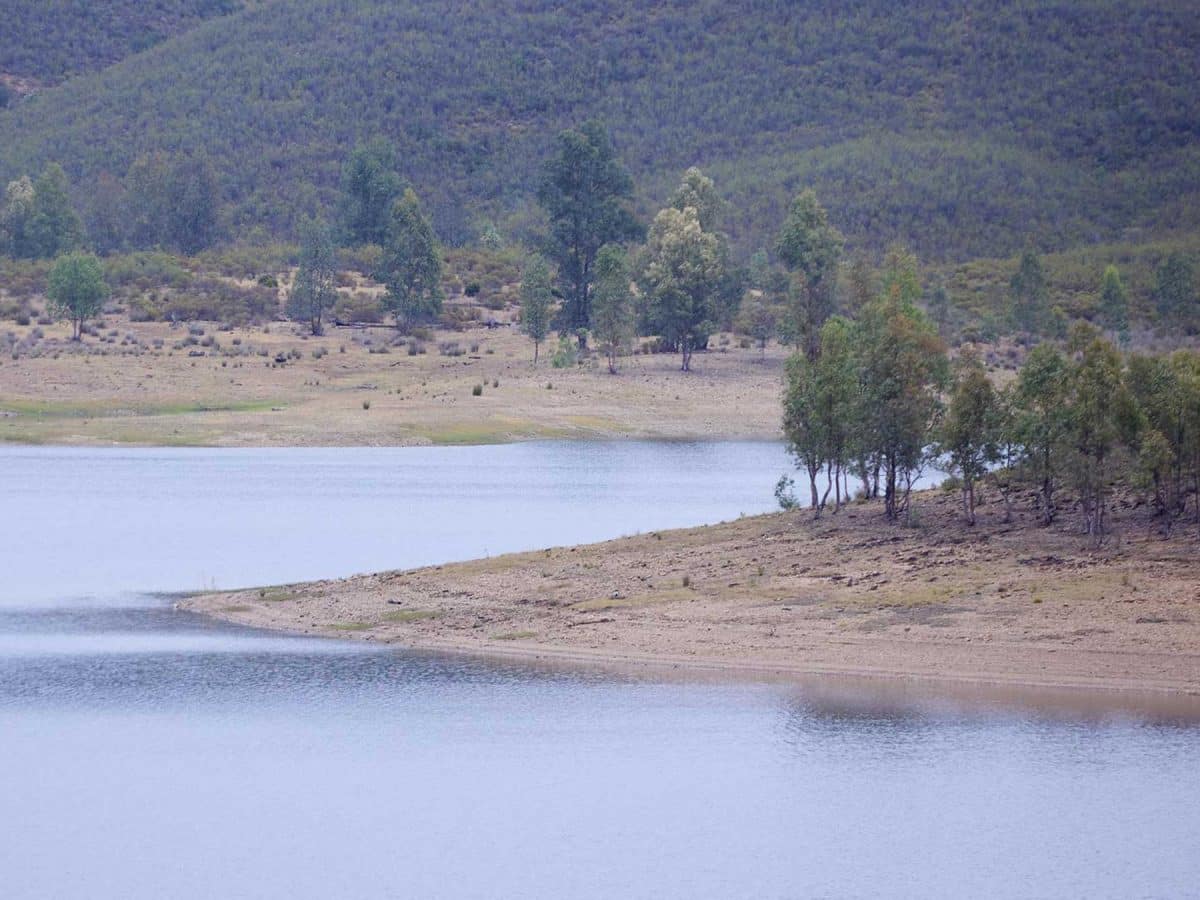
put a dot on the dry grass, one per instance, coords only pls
(236, 394)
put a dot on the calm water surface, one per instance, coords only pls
(149, 753)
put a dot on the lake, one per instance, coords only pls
(146, 752)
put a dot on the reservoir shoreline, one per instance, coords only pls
(787, 595)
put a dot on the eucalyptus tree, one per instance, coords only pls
(810, 247)
(970, 434)
(587, 194)
(76, 289)
(314, 291)
(537, 301)
(681, 270)
(612, 304)
(411, 266)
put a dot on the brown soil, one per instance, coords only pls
(849, 593)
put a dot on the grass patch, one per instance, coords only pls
(514, 636)
(351, 626)
(411, 615)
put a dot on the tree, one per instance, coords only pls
(77, 289)
(370, 187)
(53, 225)
(802, 421)
(904, 368)
(612, 304)
(1175, 291)
(862, 286)
(1030, 296)
(14, 218)
(1100, 415)
(810, 247)
(1038, 402)
(192, 204)
(537, 299)
(681, 270)
(699, 192)
(147, 212)
(939, 307)
(411, 266)
(315, 289)
(107, 214)
(586, 192)
(970, 432)
(759, 319)
(1114, 302)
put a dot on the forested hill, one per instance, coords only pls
(48, 40)
(967, 127)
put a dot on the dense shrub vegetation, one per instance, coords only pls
(965, 128)
(49, 40)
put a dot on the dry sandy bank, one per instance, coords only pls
(850, 594)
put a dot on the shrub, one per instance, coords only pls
(477, 390)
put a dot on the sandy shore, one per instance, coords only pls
(784, 594)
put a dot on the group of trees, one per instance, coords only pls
(378, 209)
(162, 202)
(682, 272)
(880, 400)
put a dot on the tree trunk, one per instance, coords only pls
(685, 347)
(535, 352)
(968, 501)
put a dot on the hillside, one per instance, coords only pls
(964, 129)
(49, 40)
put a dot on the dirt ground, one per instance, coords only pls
(782, 593)
(355, 387)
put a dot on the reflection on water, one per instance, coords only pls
(151, 753)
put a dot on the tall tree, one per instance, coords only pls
(904, 369)
(147, 206)
(107, 215)
(371, 185)
(411, 267)
(193, 203)
(77, 289)
(54, 227)
(1175, 290)
(315, 289)
(537, 301)
(1030, 295)
(970, 434)
(1038, 401)
(612, 304)
(586, 192)
(759, 319)
(1100, 416)
(15, 213)
(699, 192)
(810, 247)
(1114, 302)
(939, 307)
(681, 270)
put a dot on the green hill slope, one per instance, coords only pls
(48, 40)
(963, 126)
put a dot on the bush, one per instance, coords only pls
(358, 307)
(477, 391)
(472, 289)
(565, 355)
